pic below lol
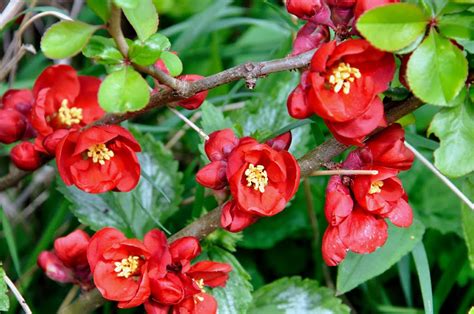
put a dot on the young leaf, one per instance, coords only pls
(124, 90)
(455, 129)
(148, 51)
(173, 63)
(4, 300)
(437, 70)
(102, 50)
(143, 18)
(66, 39)
(457, 26)
(100, 7)
(213, 119)
(393, 27)
(358, 268)
(295, 295)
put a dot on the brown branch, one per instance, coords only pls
(208, 223)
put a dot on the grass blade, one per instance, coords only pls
(423, 269)
(7, 229)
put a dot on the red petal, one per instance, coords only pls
(220, 144)
(401, 214)
(61, 79)
(309, 37)
(298, 108)
(333, 250)
(208, 305)
(195, 101)
(152, 307)
(72, 249)
(339, 201)
(213, 175)
(233, 219)
(100, 242)
(18, 99)
(320, 58)
(214, 274)
(281, 142)
(87, 99)
(185, 248)
(167, 290)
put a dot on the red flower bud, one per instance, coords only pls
(18, 99)
(303, 9)
(72, 249)
(54, 268)
(26, 157)
(195, 101)
(309, 37)
(281, 142)
(220, 144)
(12, 125)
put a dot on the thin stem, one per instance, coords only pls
(13, 8)
(17, 294)
(343, 172)
(442, 177)
(69, 297)
(40, 15)
(190, 123)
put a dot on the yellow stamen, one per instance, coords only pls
(100, 153)
(342, 77)
(200, 284)
(69, 116)
(376, 187)
(257, 176)
(127, 266)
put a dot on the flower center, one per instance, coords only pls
(376, 187)
(127, 266)
(100, 153)
(200, 284)
(69, 116)
(257, 176)
(343, 76)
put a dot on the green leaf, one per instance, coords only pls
(156, 197)
(173, 63)
(358, 268)
(467, 216)
(437, 70)
(11, 243)
(127, 4)
(455, 129)
(143, 18)
(393, 27)
(213, 119)
(457, 26)
(295, 295)
(66, 39)
(102, 50)
(236, 296)
(100, 7)
(423, 270)
(4, 300)
(124, 90)
(148, 51)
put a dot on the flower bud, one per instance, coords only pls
(12, 126)
(26, 157)
(303, 9)
(195, 101)
(309, 37)
(54, 268)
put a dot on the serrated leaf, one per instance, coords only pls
(457, 26)
(437, 70)
(468, 222)
(455, 129)
(154, 200)
(213, 119)
(4, 300)
(358, 268)
(100, 7)
(148, 51)
(295, 295)
(143, 17)
(393, 27)
(124, 90)
(66, 39)
(236, 296)
(173, 63)
(102, 50)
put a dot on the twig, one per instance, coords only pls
(76, 8)
(190, 123)
(442, 177)
(69, 297)
(10, 64)
(11, 10)
(17, 294)
(343, 172)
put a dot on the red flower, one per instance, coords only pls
(120, 266)
(309, 37)
(345, 78)
(304, 9)
(12, 125)
(178, 285)
(68, 262)
(26, 156)
(64, 100)
(99, 159)
(195, 101)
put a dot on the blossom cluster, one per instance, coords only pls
(262, 177)
(151, 272)
(356, 206)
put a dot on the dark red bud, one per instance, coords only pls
(12, 126)
(26, 157)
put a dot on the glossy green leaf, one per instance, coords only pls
(393, 27)
(156, 197)
(213, 119)
(358, 268)
(173, 63)
(423, 270)
(457, 26)
(455, 129)
(127, 4)
(124, 90)
(100, 7)
(437, 70)
(468, 221)
(4, 300)
(102, 50)
(295, 295)
(143, 18)
(236, 296)
(148, 51)
(66, 39)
